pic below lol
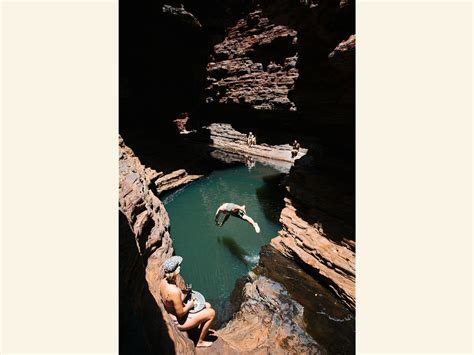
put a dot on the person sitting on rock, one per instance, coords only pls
(173, 298)
(296, 149)
(249, 139)
(231, 209)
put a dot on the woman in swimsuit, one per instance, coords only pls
(173, 298)
(229, 209)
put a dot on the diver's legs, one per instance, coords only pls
(251, 222)
(226, 217)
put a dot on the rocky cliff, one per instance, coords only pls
(282, 69)
(145, 243)
(254, 66)
(291, 64)
(269, 321)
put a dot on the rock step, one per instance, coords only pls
(226, 138)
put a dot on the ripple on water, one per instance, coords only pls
(215, 257)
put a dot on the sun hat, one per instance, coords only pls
(172, 263)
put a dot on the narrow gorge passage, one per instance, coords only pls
(215, 257)
(196, 78)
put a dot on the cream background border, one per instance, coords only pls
(59, 177)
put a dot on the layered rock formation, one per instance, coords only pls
(284, 68)
(147, 244)
(226, 138)
(242, 71)
(308, 245)
(317, 39)
(268, 322)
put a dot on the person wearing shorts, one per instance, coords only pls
(231, 209)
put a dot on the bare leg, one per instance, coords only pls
(251, 222)
(216, 218)
(205, 328)
(225, 219)
(203, 318)
(247, 219)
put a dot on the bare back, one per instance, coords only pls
(172, 297)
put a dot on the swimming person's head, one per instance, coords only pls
(243, 209)
(172, 267)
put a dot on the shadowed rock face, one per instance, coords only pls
(284, 68)
(329, 261)
(254, 66)
(268, 322)
(145, 243)
(142, 328)
(266, 308)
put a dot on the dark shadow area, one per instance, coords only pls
(270, 196)
(327, 320)
(276, 51)
(231, 305)
(142, 329)
(323, 194)
(234, 248)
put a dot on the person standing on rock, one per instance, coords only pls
(231, 209)
(173, 298)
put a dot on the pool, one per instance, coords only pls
(215, 257)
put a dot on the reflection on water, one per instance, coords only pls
(215, 257)
(270, 195)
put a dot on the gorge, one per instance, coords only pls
(283, 70)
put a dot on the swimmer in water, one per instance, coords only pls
(229, 209)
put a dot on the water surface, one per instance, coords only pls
(215, 257)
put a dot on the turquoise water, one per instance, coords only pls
(215, 257)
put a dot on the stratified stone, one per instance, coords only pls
(254, 65)
(268, 322)
(330, 262)
(148, 225)
(228, 139)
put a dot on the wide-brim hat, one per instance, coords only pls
(172, 264)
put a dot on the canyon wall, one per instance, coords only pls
(282, 69)
(289, 66)
(263, 305)
(145, 243)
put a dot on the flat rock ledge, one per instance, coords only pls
(226, 138)
(326, 260)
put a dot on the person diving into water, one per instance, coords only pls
(228, 209)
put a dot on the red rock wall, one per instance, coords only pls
(254, 66)
(144, 246)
